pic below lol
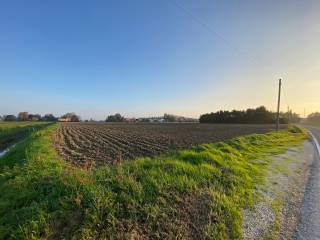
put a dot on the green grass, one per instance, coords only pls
(197, 193)
(13, 131)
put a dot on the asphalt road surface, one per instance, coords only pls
(309, 227)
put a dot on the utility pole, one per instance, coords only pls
(278, 110)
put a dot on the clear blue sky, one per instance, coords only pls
(147, 57)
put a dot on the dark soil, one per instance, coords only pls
(87, 144)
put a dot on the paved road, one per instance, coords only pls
(309, 227)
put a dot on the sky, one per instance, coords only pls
(149, 57)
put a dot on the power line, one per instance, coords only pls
(209, 28)
(279, 102)
(212, 31)
(284, 94)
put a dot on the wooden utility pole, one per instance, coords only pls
(279, 100)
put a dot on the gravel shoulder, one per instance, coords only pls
(276, 213)
(309, 227)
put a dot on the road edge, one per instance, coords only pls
(315, 141)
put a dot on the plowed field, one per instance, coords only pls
(87, 144)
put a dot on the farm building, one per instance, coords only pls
(69, 117)
(34, 117)
(64, 119)
(152, 119)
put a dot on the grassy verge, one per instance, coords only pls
(10, 132)
(194, 194)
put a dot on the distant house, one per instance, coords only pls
(129, 120)
(156, 120)
(151, 120)
(34, 117)
(69, 117)
(64, 119)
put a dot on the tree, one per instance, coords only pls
(23, 116)
(291, 117)
(49, 118)
(314, 117)
(115, 118)
(10, 118)
(259, 115)
(169, 118)
(75, 118)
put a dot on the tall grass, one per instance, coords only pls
(193, 194)
(13, 131)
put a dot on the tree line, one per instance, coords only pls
(258, 115)
(25, 116)
(166, 118)
(314, 118)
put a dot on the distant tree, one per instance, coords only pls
(115, 118)
(75, 118)
(261, 115)
(258, 115)
(49, 118)
(1, 118)
(68, 115)
(314, 117)
(291, 117)
(10, 118)
(169, 118)
(23, 116)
